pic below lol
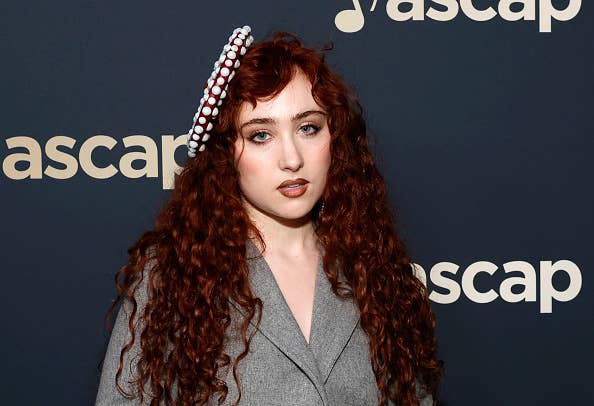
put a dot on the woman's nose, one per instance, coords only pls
(291, 157)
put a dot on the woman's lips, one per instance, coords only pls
(293, 182)
(294, 190)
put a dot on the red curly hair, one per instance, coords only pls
(199, 244)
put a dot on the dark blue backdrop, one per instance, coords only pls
(482, 129)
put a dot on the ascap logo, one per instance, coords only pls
(528, 284)
(353, 20)
(29, 164)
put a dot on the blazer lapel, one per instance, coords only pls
(333, 323)
(278, 323)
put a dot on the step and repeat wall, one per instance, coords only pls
(481, 116)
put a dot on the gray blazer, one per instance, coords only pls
(281, 368)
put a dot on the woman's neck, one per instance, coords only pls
(285, 237)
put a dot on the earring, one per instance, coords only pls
(321, 209)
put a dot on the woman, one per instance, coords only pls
(274, 275)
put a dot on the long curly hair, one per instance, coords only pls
(199, 240)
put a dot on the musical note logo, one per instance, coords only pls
(352, 20)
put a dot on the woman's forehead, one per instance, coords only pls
(296, 97)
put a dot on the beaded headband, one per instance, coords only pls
(215, 89)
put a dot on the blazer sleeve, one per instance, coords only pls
(425, 398)
(108, 393)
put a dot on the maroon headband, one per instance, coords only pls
(215, 88)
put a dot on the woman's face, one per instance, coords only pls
(283, 140)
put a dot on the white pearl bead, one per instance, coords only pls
(217, 85)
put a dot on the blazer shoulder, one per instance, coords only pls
(108, 392)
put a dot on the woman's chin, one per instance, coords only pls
(292, 216)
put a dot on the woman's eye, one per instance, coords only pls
(310, 129)
(259, 137)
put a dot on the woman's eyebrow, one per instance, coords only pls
(269, 120)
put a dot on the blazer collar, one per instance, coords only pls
(333, 321)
